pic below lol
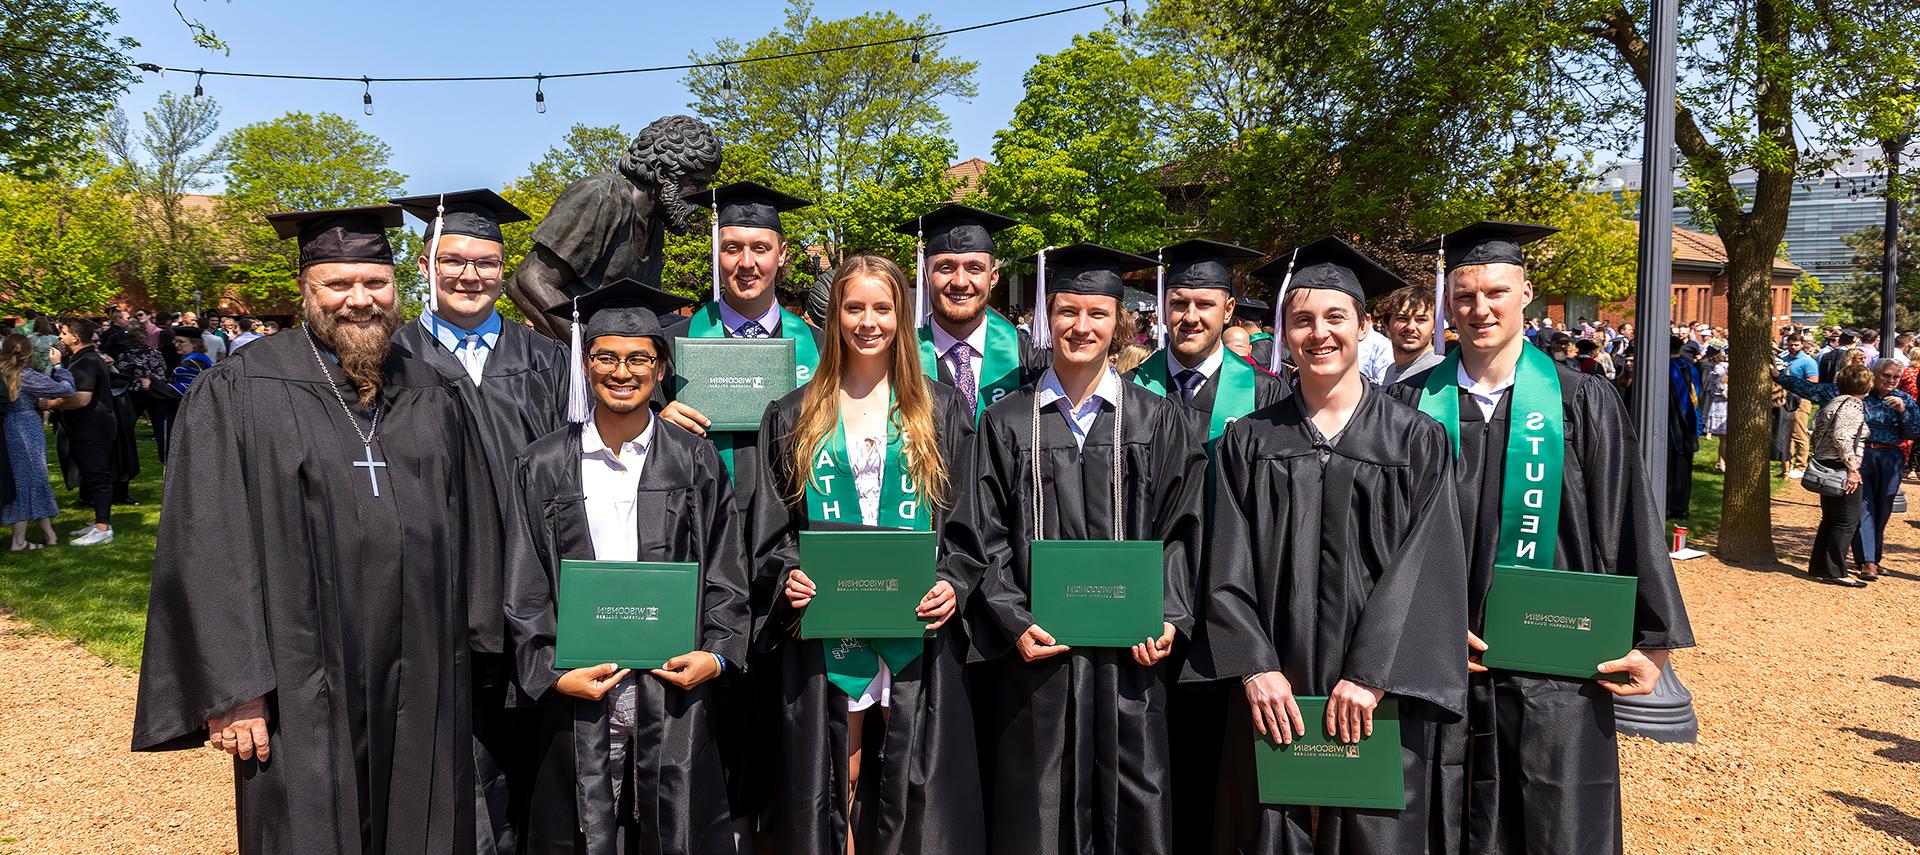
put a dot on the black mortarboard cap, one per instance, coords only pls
(1252, 309)
(1333, 264)
(1203, 264)
(474, 213)
(347, 235)
(954, 228)
(745, 203)
(1086, 268)
(1485, 242)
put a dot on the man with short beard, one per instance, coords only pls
(968, 346)
(1193, 370)
(613, 225)
(1410, 328)
(327, 649)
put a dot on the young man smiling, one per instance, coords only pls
(968, 346)
(1195, 369)
(1335, 570)
(1078, 455)
(1534, 767)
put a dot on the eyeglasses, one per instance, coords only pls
(607, 363)
(486, 268)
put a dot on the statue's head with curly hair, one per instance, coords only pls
(674, 156)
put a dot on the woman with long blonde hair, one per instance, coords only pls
(32, 494)
(876, 750)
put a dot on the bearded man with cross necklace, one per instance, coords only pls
(327, 652)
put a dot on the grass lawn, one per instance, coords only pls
(1709, 491)
(96, 595)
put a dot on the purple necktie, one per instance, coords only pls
(963, 375)
(1190, 382)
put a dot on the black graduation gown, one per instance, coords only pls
(1267, 391)
(677, 788)
(1347, 566)
(346, 610)
(1534, 767)
(522, 396)
(1075, 749)
(1262, 350)
(920, 781)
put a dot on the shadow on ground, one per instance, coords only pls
(1884, 818)
(1900, 749)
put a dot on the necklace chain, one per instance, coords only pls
(366, 438)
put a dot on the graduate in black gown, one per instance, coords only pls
(957, 274)
(874, 738)
(1534, 767)
(1334, 570)
(749, 252)
(1213, 387)
(1074, 740)
(627, 762)
(327, 648)
(512, 381)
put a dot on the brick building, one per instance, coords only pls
(1699, 288)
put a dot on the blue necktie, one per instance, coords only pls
(750, 329)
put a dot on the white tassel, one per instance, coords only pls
(1279, 307)
(1160, 298)
(1440, 299)
(1042, 324)
(715, 221)
(919, 273)
(433, 256)
(579, 407)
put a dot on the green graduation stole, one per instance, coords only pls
(1536, 452)
(705, 323)
(1234, 397)
(832, 496)
(998, 371)
(1260, 336)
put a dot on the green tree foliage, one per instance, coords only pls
(61, 237)
(1594, 252)
(301, 162)
(173, 154)
(1752, 72)
(1078, 162)
(60, 72)
(1862, 301)
(833, 126)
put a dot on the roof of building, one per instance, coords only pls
(967, 175)
(1702, 250)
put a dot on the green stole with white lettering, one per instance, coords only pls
(705, 323)
(997, 372)
(1536, 452)
(832, 496)
(1232, 399)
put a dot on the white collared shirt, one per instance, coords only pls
(732, 320)
(1487, 398)
(944, 341)
(611, 484)
(1376, 356)
(1079, 421)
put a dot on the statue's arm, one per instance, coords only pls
(536, 284)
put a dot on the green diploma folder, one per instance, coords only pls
(1316, 769)
(732, 380)
(1557, 621)
(634, 614)
(1098, 593)
(866, 584)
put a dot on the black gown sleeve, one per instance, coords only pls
(726, 620)
(531, 559)
(1233, 640)
(1631, 536)
(978, 538)
(479, 543)
(1178, 520)
(1410, 639)
(206, 642)
(956, 445)
(771, 524)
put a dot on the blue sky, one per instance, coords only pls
(458, 135)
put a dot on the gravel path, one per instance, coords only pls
(1808, 696)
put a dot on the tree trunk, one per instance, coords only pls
(1746, 521)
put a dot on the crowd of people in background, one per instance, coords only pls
(92, 380)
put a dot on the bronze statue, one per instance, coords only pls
(613, 225)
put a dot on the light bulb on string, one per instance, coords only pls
(199, 94)
(366, 98)
(1126, 14)
(916, 51)
(726, 78)
(539, 94)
